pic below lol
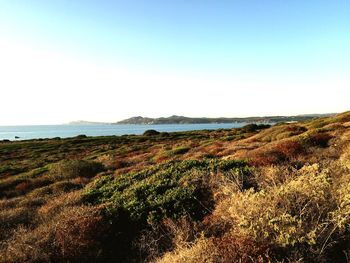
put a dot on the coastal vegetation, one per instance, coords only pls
(250, 194)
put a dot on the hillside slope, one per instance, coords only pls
(253, 194)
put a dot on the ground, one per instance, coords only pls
(252, 194)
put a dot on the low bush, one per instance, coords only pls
(75, 168)
(255, 127)
(151, 133)
(250, 128)
(79, 234)
(73, 235)
(290, 148)
(305, 215)
(265, 158)
(277, 153)
(170, 190)
(318, 140)
(266, 177)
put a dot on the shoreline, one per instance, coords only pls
(40, 132)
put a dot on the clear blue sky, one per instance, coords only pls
(195, 58)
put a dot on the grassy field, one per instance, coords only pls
(252, 194)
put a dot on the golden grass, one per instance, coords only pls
(296, 214)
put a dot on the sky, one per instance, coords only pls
(70, 60)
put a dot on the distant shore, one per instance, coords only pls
(204, 120)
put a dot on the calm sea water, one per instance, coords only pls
(64, 131)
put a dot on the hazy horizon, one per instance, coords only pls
(63, 61)
(115, 121)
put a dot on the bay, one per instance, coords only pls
(64, 131)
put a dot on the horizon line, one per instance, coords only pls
(116, 122)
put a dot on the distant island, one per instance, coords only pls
(174, 119)
(188, 120)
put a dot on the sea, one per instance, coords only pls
(27, 132)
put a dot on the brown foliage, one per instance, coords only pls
(232, 248)
(289, 148)
(319, 140)
(73, 235)
(262, 158)
(57, 204)
(29, 245)
(277, 153)
(78, 233)
(22, 187)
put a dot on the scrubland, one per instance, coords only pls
(253, 194)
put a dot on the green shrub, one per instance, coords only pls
(255, 127)
(151, 133)
(167, 190)
(75, 168)
(175, 189)
(250, 127)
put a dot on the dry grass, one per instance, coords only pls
(296, 214)
(293, 206)
(219, 250)
(56, 205)
(71, 235)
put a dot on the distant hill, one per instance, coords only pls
(187, 120)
